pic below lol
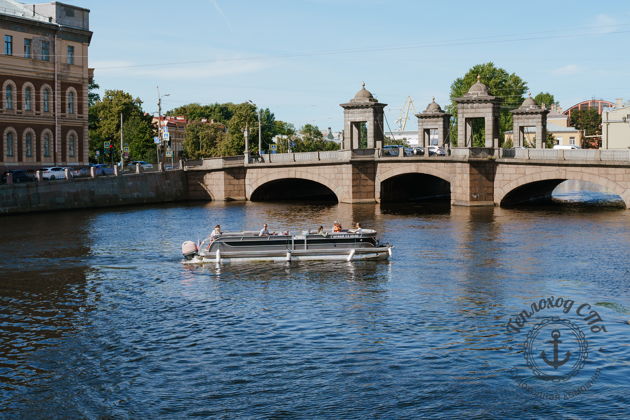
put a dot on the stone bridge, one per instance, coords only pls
(469, 176)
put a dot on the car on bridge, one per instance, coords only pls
(436, 151)
(392, 150)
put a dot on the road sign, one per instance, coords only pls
(97, 153)
(106, 144)
(166, 136)
(126, 149)
(169, 153)
(156, 140)
(165, 129)
(273, 147)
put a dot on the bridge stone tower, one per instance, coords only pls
(478, 103)
(363, 108)
(529, 114)
(433, 118)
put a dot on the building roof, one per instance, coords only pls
(551, 128)
(598, 104)
(14, 8)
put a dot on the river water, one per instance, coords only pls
(98, 318)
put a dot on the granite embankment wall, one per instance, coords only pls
(157, 187)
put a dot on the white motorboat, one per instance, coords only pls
(249, 246)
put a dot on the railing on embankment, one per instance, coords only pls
(102, 191)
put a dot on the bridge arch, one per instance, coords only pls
(397, 170)
(256, 180)
(542, 184)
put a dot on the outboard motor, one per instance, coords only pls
(189, 250)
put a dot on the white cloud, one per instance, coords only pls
(604, 24)
(566, 70)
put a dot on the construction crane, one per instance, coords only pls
(408, 108)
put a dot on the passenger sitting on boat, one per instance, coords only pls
(357, 228)
(216, 232)
(320, 231)
(264, 231)
(337, 227)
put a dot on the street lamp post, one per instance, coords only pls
(259, 115)
(160, 134)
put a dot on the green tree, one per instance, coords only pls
(509, 87)
(104, 125)
(244, 115)
(201, 140)
(589, 121)
(93, 96)
(220, 113)
(545, 98)
(311, 139)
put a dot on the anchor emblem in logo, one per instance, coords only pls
(555, 363)
(569, 353)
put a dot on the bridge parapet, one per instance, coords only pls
(577, 155)
(216, 163)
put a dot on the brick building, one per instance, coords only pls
(44, 79)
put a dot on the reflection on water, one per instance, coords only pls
(98, 318)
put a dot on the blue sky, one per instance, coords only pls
(302, 58)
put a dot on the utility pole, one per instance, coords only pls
(246, 135)
(159, 104)
(122, 159)
(260, 132)
(259, 115)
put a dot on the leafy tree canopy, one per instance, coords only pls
(545, 98)
(589, 121)
(104, 125)
(509, 87)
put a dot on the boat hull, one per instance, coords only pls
(335, 254)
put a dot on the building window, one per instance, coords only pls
(28, 99)
(46, 145)
(46, 100)
(10, 145)
(70, 54)
(572, 140)
(8, 45)
(72, 145)
(8, 97)
(28, 145)
(46, 50)
(70, 97)
(28, 50)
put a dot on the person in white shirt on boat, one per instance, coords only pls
(264, 231)
(357, 228)
(216, 232)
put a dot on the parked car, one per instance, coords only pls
(561, 147)
(436, 151)
(145, 165)
(19, 176)
(102, 169)
(55, 172)
(417, 151)
(392, 150)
